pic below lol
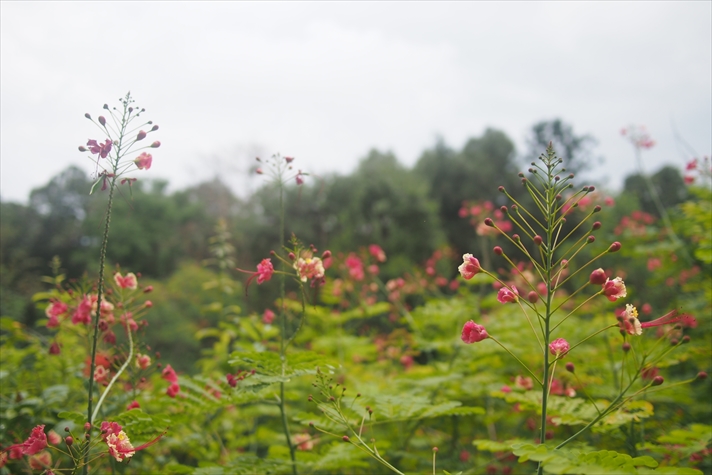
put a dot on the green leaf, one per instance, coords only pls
(76, 417)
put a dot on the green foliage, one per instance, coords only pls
(575, 462)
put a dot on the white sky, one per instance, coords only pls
(325, 82)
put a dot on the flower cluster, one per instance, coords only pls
(78, 304)
(123, 137)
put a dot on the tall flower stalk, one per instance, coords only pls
(546, 245)
(122, 134)
(306, 267)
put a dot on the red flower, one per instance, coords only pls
(102, 149)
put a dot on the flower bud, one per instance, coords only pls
(559, 197)
(489, 222)
(591, 188)
(564, 263)
(435, 449)
(598, 277)
(69, 440)
(154, 128)
(557, 178)
(674, 342)
(626, 347)
(102, 120)
(54, 349)
(504, 209)
(615, 247)
(596, 225)
(289, 159)
(345, 438)
(533, 297)
(156, 144)
(516, 238)
(590, 239)
(291, 256)
(585, 188)
(87, 426)
(82, 148)
(498, 250)
(148, 304)
(148, 289)
(570, 367)
(259, 171)
(87, 116)
(685, 339)
(537, 240)
(501, 189)
(524, 181)
(326, 255)
(141, 135)
(658, 380)
(701, 375)
(597, 208)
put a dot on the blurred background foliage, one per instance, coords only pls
(166, 235)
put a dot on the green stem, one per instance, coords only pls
(282, 342)
(520, 361)
(100, 292)
(118, 373)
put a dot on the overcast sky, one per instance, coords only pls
(326, 82)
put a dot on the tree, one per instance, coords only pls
(576, 150)
(474, 173)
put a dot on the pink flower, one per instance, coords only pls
(376, 251)
(309, 268)
(524, 382)
(299, 178)
(355, 266)
(559, 347)
(614, 289)
(100, 374)
(505, 295)
(473, 333)
(54, 438)
(629, 322)
(128, 281)
(469, 267)
(173, 390)
(169, 374)
(102, 149)
(143, 162)
(268, 317)
(133, 405)
(303, 441)
(40, 461)
(264, 271)
(55, 309)
(83, 312)
(119, 446)
(669, 318)
(143, 361)
(118, 442)
(36, 442)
